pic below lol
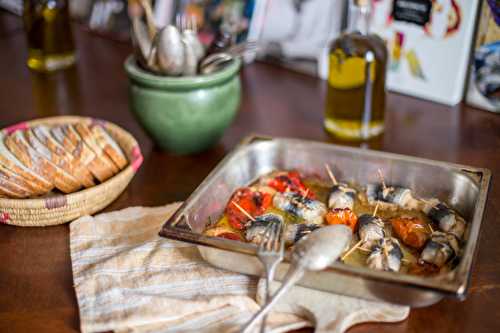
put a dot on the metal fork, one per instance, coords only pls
(270, 254)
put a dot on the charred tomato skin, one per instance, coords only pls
(290, 182)
(253, 202)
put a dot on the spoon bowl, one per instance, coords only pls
(321, 248)
(170, 50)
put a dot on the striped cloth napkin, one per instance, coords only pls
(127, 279)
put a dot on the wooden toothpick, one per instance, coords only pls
(330, 174)
(243, 211)
(362, 249)
(351, 250)
(375, 210)
(382, 179)
(430, 228)
(305, 193)
(386, 252)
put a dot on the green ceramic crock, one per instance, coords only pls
(184, 115)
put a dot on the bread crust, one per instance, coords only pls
(76, 169)
(5, 193)
(86, 134)
(19, 146)
(61, 166)
(36, 182)
(108, 145)
(72, 142)
(9, 184)
(13, 177)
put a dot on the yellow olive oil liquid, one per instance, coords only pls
(48, 30)
(355, 102)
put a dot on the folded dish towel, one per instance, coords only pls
(127, 279)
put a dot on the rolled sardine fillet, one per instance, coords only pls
(440, 248)
(397, 195)
(386, 255)
(372, 192)
(312, 211)
(255, 231)
(370, 230)
(341, 197)
(447, 219)
(294, 232)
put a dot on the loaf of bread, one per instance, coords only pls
(66, 158)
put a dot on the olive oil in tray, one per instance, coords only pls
(393, 230)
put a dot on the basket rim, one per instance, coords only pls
(40, 202)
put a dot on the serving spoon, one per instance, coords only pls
(314, 252)
(216, 61)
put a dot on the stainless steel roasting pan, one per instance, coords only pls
(463, 187)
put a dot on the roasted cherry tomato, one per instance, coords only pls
(290, 181)
(411, 230)
(342, 216)
(252, 201)
(230, 235)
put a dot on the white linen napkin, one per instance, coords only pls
(128, 279)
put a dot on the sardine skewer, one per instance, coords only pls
(440, 248)
(386, 255)
(313, 211)
(447, 219)
(358, 244)
(341, 195)
(392, 195)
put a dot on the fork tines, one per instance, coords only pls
(271, 240)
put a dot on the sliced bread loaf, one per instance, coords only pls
(108, 145)
(62, 166)
(19, 146)
(5, 193)
(27, 186)
(72, 142)
(9, 184)
(78, 170)
(85, 133)
(36, 182)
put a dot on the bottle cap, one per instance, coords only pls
(362, 3)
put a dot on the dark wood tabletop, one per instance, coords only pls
(36, 287)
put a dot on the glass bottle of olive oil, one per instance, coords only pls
(355, 102)
(48, 30)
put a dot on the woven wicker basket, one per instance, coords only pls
(61, 208)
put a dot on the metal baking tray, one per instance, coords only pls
(465, 188)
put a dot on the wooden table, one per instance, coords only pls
(36, 293)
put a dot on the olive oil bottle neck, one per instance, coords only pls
(359, 16)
